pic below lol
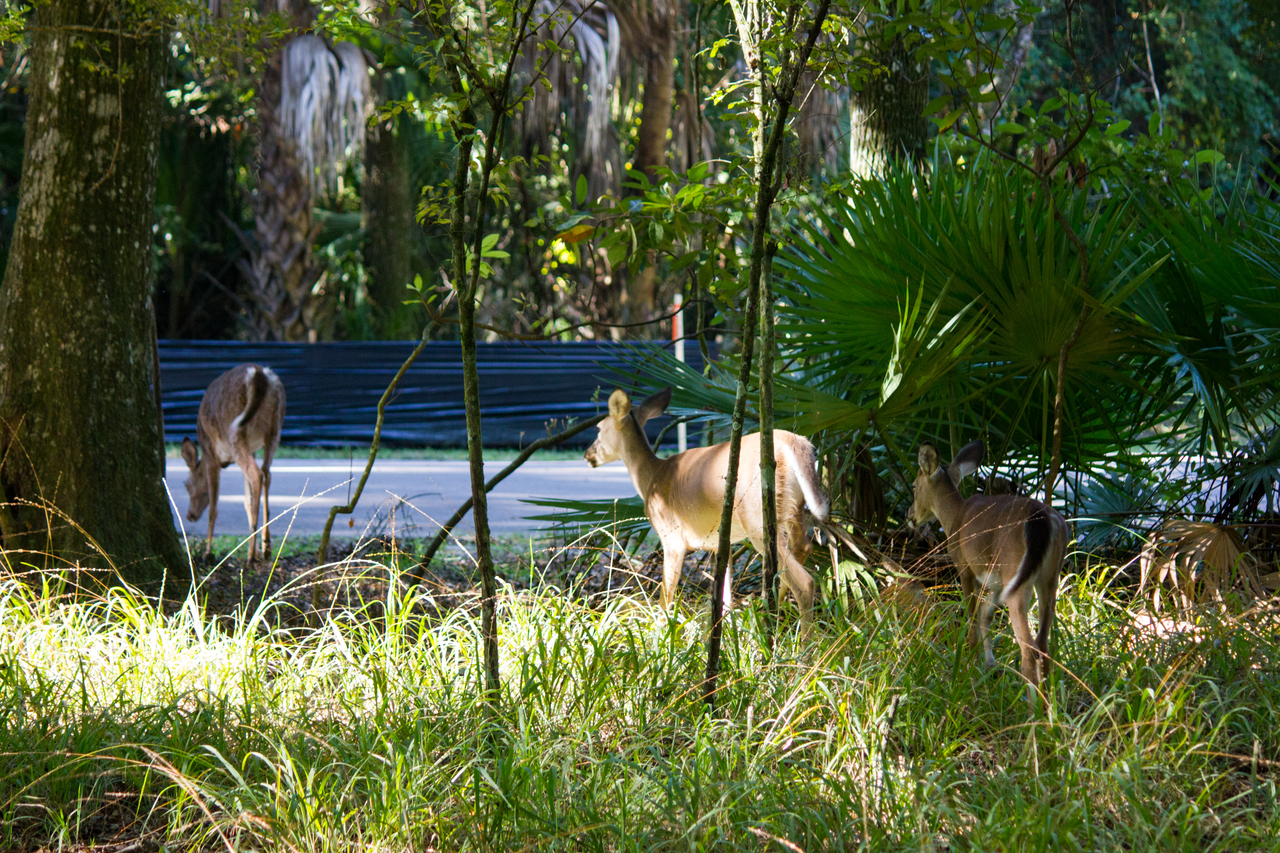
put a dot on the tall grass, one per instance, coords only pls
(118, 720)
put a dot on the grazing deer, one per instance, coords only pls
(242, 410)
(1003, 545)
(683, 494)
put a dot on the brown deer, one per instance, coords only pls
(242, 410)
(1003, 546)
(683, 494)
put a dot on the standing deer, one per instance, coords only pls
(1003, 545)
(684, 493)
(242, 410)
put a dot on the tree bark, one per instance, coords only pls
(389, 223)
(886, 115)
(768, 464)
(281, 272)
(659, 53)
(83, 463)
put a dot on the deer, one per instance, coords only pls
(241, 412)
(1003, 546)
(684, 493)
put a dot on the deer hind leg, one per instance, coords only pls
(252, 494)
(1047, 598)
(268, 453)
(266, 512)
(1022, 631)
(970, 593)
(212, 480)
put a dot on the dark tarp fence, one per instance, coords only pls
(332, 389)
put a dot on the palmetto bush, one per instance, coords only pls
(986, 240)
(933, 306)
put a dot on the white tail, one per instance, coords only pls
(1003, 546)
(683, 494)
(242, 410)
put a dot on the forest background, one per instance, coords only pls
(639, 86)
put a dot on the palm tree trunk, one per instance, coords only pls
(83, 462)
(659, 53)
(280, 272)
(389, 222)
(886, 116)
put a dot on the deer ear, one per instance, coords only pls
(654, 406)
(619, 404)
(190, 453)
(966, 461)
(928, 458)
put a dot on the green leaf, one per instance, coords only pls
(1011, 127)
(582, 189)
(949, 119)
(1118, 127)
(936, 105)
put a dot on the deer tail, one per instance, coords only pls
(803, 462)
(1037, 534)
(255, 380)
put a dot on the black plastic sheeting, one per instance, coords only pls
(332, 389)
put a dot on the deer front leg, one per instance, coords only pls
(212, 480)
(986, 608)
(800, 582)
(673, 555)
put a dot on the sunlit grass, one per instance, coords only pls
(123, 721)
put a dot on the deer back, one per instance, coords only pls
(993, 534)
(245, 405)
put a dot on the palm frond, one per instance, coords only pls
(324, 101)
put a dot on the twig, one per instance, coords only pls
(449, 525)
(322, 556)
(440, 319)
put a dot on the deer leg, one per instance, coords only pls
(800, 582)
(268, 452)
(672, 566)
(213, 480)
(1022, 631)
(252, 490)
(1047, 597)
(266, 512)
(986, 608)
(970, 593)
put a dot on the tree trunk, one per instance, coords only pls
(886, 116)
(280, 272)
(83, 465)
(651, 137)
(768, 464)
(389, 223)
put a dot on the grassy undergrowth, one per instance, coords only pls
(118, 721)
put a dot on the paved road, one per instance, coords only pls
(423, 494)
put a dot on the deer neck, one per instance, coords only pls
(947, 503)
(642, 463)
